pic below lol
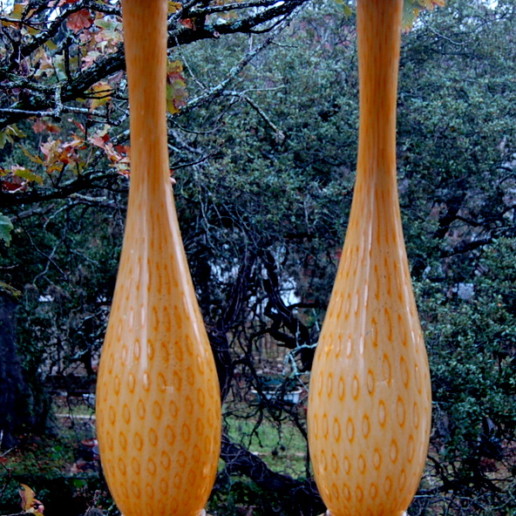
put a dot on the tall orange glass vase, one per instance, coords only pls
(370, 399)
(158, 401)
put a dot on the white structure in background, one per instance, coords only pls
(6, 6)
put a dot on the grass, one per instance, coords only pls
(46, 465)
(282, 447)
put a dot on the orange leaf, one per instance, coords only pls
(412, 8)
(430, 4)
(176, 87)
(27, 497)
(101, 94)
(173, 7)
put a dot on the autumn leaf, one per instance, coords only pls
(51, 45)
(77, 142)
(90, 58)
(100, 140)
(45, 66)
(122, 166)
(117, 155)
(79, 20)
(9, 134)
(58, 153)
(109, 34)
(173, 7)
(79, 126)
(28, 497)
(16, 14)
(188, 23)
(50, 149)
(101, 93)
(412, 8)
(13, 184)
(18, 10)
(430, 4)
(176, 87)
(33, 157)
(43, 126)
(345, 7)
(26, 174)
(33, 31)
(122, 149)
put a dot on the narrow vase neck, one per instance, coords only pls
(379, 27)
(145, 36)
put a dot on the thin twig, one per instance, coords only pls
(217, 90)
(232, 7)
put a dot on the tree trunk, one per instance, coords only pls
(12, 386)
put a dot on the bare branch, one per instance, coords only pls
(107, 65)
(240, 461)
(279, 133)
(233, 73)
(83, 182)
(232, 7)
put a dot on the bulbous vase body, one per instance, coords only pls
(370, 399)
(158, 401)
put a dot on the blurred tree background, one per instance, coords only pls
(263, 117)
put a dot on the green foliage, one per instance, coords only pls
(6, 226)
(241, 496)
(471, 345)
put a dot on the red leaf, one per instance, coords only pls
(41, 126)
(122, 149)
(100, 140)
(13, 184)
(188, 23)
(79, 20)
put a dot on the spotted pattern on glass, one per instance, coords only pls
(158, 402)
(369, 401)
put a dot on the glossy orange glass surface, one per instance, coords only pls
(158, 402)
(370, 399)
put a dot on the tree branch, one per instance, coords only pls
(79, 184)
(218, 334)
(282, 316)
(40, 105)
(212, 9)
